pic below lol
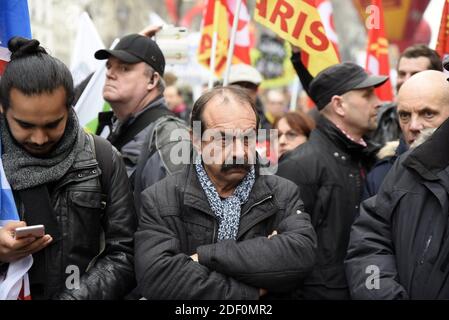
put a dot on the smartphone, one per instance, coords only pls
(37, 231)
(174, 44)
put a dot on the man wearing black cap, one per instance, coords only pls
(331, 166)
(142, 123)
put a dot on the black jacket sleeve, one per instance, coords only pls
(371, 245)
(276, 264)
(304, 76)
(163, 271)
(111, 276)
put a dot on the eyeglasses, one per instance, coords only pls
(289, 135)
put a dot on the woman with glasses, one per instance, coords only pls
(293, 130)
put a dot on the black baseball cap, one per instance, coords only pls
(339, 79)
(135, 48)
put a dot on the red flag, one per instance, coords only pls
(327, 18)
(196, 10)
(225, 15)
(443, 36)
(172, 10)
(377, 62)
(242, 38)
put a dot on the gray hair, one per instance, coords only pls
(149, 71)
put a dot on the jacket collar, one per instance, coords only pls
(158, 101)
(337, 137)
(430, 158)
(85, 165)
(402, 147)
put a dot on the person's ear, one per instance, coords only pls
(152, 82)
(338, 105)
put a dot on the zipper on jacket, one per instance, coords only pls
(426, 248)
(257, 203)
(255, 221)
(215, 229)
(246, 211)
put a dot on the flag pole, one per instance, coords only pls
(232, 43)
(295, 93)
(214, 45)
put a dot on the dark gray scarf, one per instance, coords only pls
(25, 171)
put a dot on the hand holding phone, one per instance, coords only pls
(17, 241)
(36, 231)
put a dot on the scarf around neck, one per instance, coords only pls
(227, 210)
(25, 171)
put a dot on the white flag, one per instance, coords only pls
(87, 42)
(91, 101)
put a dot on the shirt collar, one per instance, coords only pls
(360, 142)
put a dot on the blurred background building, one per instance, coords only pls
(54, 22)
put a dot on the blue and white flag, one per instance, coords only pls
(14, 21)
(15, 283)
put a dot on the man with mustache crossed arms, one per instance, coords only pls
(222, 230)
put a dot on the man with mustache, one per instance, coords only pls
(219, 229)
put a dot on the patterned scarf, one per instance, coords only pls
(227, 210)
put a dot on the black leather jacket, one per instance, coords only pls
(96, 233)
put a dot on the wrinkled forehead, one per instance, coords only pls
(218, 134)
(229, 112)
(415, 103)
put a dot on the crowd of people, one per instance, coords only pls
(175, 203)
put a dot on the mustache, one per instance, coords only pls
(236, 164)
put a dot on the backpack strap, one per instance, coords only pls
(150, 115)
(103, 154)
